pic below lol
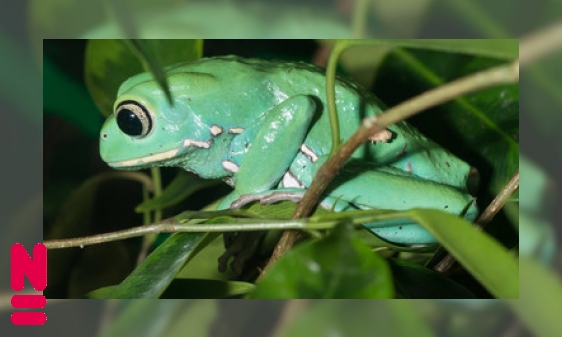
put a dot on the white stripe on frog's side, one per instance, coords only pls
(216, 130)
(289, 180)
(230, 166)
(236, 130)
(309, 153)
(197, 143)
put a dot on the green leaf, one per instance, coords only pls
(540, 303)
(484, 258)
(110, 62)
(147, 52)
(183, 185)
(152, 277)
(196, 288)
(338, 266)
(415, 281)
(101, 293)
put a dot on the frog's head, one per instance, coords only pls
(145, 130)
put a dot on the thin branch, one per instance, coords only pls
(447, 263)
(293, 309)
(172, 225)
(499, 201)
(540, 44)
(503, 74)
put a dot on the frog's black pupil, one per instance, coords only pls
(129, 123)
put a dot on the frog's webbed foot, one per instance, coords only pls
(243, 246)
(269, 197)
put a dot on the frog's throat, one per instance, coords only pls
(162, 156)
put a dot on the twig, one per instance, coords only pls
(499, 201)
(540, 44)
(447, 263)
(172, 225)
(503, 74)
(292, 310)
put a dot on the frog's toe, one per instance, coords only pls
(269, 197)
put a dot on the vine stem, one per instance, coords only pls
(504, 74)
(173, 225)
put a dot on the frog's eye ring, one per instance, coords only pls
(133, 119)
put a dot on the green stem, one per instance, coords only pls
(177, 224)
(339, 47)
(359, 19)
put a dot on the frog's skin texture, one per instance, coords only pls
(263, 127)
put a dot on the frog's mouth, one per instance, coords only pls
(142, 161)
(160, 156)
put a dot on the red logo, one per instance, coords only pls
(36, 271)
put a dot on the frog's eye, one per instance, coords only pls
(133, 119)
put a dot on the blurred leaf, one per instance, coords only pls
(145, 318)
(537, 237)
(226, 19)
(68, 99)
(197, 320)
(483, 257)
(359, 319)
(338, 266)
(152, 277)
(61, 19)
(482, 128)
(540, 304)
(197, 288)
(19, 86)
(415, 281)
(110, 62)
(496, 48)
(120, 11)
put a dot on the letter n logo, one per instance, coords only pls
(35, 268)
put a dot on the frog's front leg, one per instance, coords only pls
(276, 142)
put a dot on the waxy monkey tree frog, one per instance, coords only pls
(262, 127)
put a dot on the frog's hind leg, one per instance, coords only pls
(369, 187)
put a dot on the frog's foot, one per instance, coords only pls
(283, 194)
(242, 246)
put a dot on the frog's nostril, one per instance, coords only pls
(104, 136)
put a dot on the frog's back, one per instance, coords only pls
(255, 86)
